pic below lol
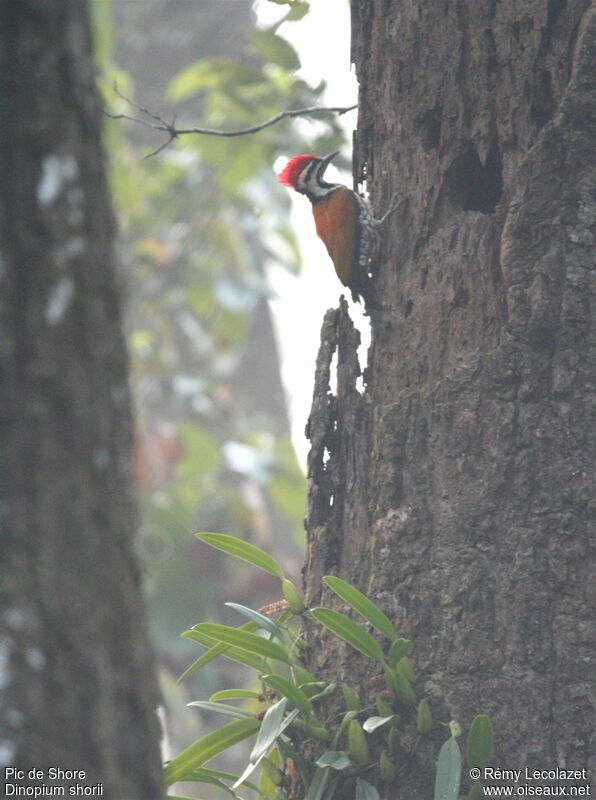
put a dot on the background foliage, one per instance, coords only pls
(199, 222)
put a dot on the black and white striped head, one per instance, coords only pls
(305, 174)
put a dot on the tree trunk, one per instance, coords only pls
(79, 690)
(455, 488)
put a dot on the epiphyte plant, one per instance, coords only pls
(347, 737)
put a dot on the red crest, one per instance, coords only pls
(289, 174)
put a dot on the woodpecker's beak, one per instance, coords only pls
(325, 163)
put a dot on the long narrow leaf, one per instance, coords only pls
(271, 727)
(270, 774)
(247, 552)
(362, 604)
(203, 750)
(249, 642)
(329, 792)
(234, 694)
(479, 748)
(405, 667)
(365, 790)
(213, 652)
(196, 776)
(334, 760)
(216, 773)
(296, 696)
(194, 666)
(350, 631)
(286, 723)
(317, 784)
(448, 771)
(178, 797)
(399, 649)
(250, 768)
(234, 653)
(206, 775)
(222, 708)
(259, 619)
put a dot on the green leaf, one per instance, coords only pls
(350, 631)
(216, 649)
(230, 694)
(177, 797)
(271, 775)
(206, 772)
(329, 792)
(372, 723)
(247, 552)
(479, 747)
(448, 771)
(384, 709)
(476, 792)
(211, 74)
(400, 686)
(249, 642)
(215, 777)
(209, 746)
(365, 790)
(424, 717)
(272, 726)
(231, 711)
(203, 776)
(347, 718)
(317, 784)
(334, 760)
(197, 664)
(273, 48)
(259, 619)
(351, 699)
(292, 596)
(399, 648)
(362, 604)
(404, 667)
(301, 675)
(296, 696)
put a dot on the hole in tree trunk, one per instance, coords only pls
(476, 186)
(429, 128)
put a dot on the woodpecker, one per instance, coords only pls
(343, 220)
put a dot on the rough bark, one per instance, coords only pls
(457, 488)
(78, 687)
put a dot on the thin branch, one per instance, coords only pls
(160, 124)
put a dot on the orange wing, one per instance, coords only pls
(336, 220)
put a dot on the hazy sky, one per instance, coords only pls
(322, 39)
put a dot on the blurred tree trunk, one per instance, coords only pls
(455, 488)
(79, 690)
